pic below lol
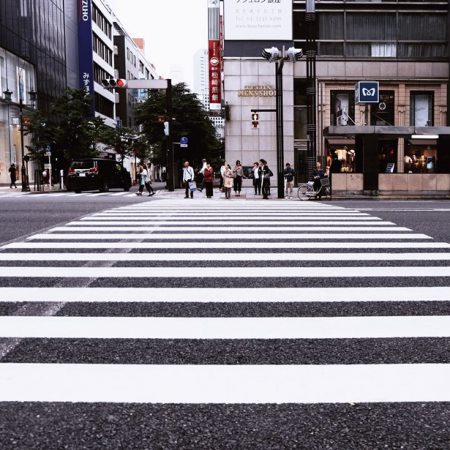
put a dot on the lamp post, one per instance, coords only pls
(25, 158)
(279, 57)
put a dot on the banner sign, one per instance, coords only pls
(214, 58)
(367, 92)
(86, 62)
(258, 20)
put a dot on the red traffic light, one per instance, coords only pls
(121, 83)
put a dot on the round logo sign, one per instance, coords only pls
(214, 61)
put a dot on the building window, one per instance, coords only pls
(342, 108)
(420, 157)
(383, 114)
(384, 50)
(387, 156)
(421, 109)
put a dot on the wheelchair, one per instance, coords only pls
(306, 191)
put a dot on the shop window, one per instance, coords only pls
(387, 157)
(383, 114)
(420, 158)
(342, 108)
(341, 158)
(421, 109)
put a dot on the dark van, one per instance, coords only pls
(97, 173)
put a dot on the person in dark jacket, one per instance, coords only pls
(13, 175)
(317, 175)
(289, 175)
(266, 174)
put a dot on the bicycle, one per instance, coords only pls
(306, 191)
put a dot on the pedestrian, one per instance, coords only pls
(238, 173)
(201, 175)
(208, 179)
(257, 176)
(142, 176)
(266, 174)
(222, 171)
(148, 181)
(289, 175)
(12, 175)
(228, 180)
(188, 177)
(317, 175)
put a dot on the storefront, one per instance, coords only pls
(392, 160)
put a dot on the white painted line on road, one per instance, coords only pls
(274, 228)
(210, 223)
(279, 256)
(225, 295)
(198, 384)
(224, 328)
(224, 272)
(226, 236)
(243, 246)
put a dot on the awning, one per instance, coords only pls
(340, 141)
(355, 130)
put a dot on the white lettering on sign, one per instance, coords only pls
(257, 91)
(84, 10)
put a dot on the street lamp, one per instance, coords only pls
(274, 55)
(25, 158)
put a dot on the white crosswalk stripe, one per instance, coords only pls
(311, 274)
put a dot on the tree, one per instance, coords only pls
(189, 119)
(68, 128)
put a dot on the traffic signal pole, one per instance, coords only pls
(169, 140)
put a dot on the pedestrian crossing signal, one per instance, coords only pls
(255, 120)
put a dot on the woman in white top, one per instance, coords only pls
(257, 178)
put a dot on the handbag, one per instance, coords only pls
(192, 185)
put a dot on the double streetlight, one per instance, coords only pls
(274, 55)
(8, 98)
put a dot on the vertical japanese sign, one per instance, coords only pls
(85, 56)
(215, 70)
(214, 56)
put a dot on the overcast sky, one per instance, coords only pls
(173, 31)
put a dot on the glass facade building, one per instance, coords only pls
(32, 59)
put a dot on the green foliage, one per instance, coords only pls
(68, 127)
(189, 118)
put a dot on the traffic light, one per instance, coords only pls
(294, 54)
(272, 54)
(255, 120)
(112, 83)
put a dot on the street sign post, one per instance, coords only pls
(184, 142)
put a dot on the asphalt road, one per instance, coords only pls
(105, 372)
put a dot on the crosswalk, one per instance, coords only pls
(175, 303)
(64, 194)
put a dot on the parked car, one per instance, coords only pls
(97, 173)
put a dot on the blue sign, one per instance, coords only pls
(367, 92)
(184, 141)
(85, 57)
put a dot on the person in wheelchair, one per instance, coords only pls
(317, 175)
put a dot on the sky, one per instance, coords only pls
(173, 31)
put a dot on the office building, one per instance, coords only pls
(32, 60)
(399, 143)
